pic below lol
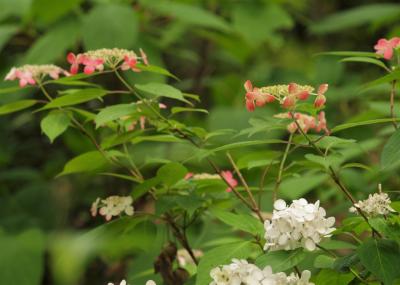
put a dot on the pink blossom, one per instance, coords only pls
(255, 97)
(91, 64)
(289, 101)
(293, 89)
(143, 55)
(322, 125)
(130, 63)
(74, 60)
(25, 78)
(385, 47)
(228, 176)
(321, 99)
(189, 175)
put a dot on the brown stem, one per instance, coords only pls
(253, 202)
(332, 173)
(181, 237)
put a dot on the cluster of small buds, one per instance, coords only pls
(242, 272)
(376, 204)
(305, 122)
(142, 120)
(101, 58)
(227, 175)
(112, 206)
(301, 224)
(32, 74)
(286, 95)
(183, 257)
(385, 47)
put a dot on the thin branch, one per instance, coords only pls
(281, 167)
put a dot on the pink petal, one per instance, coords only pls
(89, 69)
(288, 102)
(388, 53)
(322, 89)
(319, 101)
(303, 95)
(74, 68)
(144, 57)
(292, 88)
(248, 86)
(71, 58)
(188, 175)
(250, 106)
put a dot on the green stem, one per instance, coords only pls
(281, 167)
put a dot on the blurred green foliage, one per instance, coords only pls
(213, 47)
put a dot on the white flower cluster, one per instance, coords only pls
(301, 224)
(31, 74)
(376, 204)
(112, 57)
(240, 272)
(112, 206)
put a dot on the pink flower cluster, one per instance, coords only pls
(286, 95)
(305, 122)
(385, 47)
(31, 74)
(112, 58)
(227, 175)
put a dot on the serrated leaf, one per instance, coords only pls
(391, 151)
(155, 90)
(346, 126)
(113, 113)
(242, 222)
(171, 173)
(281, 260)
(54, 124)
(91, 161)
(382, 258)
(77, 97)
(176, 110)
(156, 69)
(16, 106)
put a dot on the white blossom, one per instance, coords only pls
(113, 206)
(301, 224)
(240, 272)
(376, 204)
(123, 282)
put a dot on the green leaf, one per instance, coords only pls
(55, 43)
(113, 113)
(171, 173)
(16, 106)
(391, 151)
(220, 256)
(350, 53)
(281, 260)
(110, 26)
(54, 124)
(6, 32)
(176, 110)
(331, 277)
(365, 60)
(355, 17)
(296, 187)
(242, 222)
(382, 258)
(157, 138)
(156, 69)
(155, 90)
(324, 261)
(77, 97)
(346, 126)
(190, 14)
(24, 252)
(394, 75)
(48, 11)
(91, 161)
